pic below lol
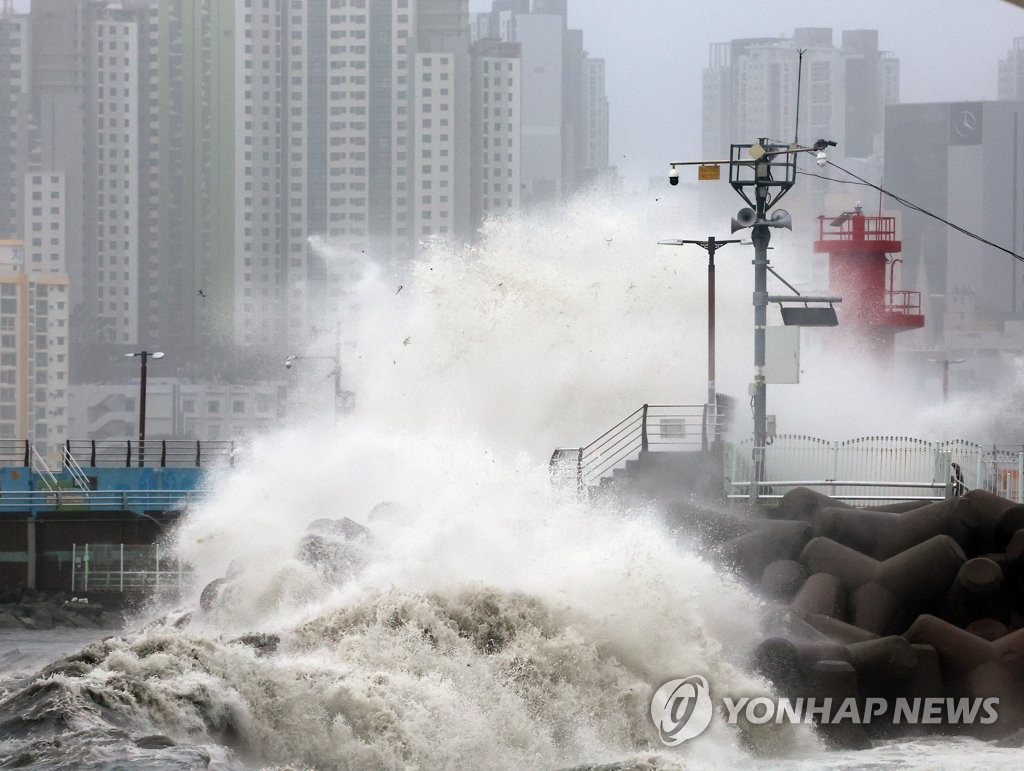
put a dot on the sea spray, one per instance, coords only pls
(498, 622)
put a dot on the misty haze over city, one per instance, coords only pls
(511, 384)
(232, 216)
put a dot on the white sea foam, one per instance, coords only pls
(498, 622)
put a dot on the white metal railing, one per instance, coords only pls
(39, 467)
(72, 467)
(96, 499)
(877, 468)
(126, 568)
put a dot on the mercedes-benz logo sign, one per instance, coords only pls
(966, 123)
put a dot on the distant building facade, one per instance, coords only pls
(179, 160)
(33, 351)
(964, 162)
(750, 90)
(176, 408)
(564, 114)
(1010, 85)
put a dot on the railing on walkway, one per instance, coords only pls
(105, 500)
(651, 428)
(161, 453)
(126, 568)
(40, 469)
(15, 452)
(877, 468)
(72, 467)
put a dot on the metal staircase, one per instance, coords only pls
(653, 440)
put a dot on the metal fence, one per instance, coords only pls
(877, 468)
(73, 499)
(118, 567)
(651, 428)
(158, 453)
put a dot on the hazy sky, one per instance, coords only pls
(656, 49)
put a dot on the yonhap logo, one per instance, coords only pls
(682, 709)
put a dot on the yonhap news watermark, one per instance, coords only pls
(683, 708)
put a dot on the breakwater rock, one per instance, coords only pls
(910, 604)
(39, 610)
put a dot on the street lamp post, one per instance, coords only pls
(342, 399)
(710, 245)
(144, 356)
(945, 374)
(769, 169)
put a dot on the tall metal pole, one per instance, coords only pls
(761, 236)
(142, 404)
(711, 245)
(712, 388)
(144, 356)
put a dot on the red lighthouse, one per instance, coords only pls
(859, 250)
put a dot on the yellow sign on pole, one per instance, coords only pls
(708, 171)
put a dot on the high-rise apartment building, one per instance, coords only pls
(33, 350)
(179, 159)
(497, 108)
(15, 57)
(112, 140)
(564, 117)
(1011, 72)
(750, 91)
(595, 117)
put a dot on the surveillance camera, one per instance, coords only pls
(821, 158)
(673, 176)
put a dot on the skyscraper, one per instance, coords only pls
(1011, 72)
(561, 108)
(14, 111)
(750, 91)
(178, 159)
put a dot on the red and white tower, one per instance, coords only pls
(861, 260)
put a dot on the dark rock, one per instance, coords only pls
(340, 528)
(978, 592)
(988, 629)
(994, 520)
(211, 592)
(337, 560)
(750, 553)
(820, 594)
(782, 579)
(155, 742)
(853, 569)
(837, 630)
(882, 534)
(264, 643)
(803, 502)
(837, 680)
(43, 615)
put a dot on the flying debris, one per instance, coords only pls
(400, 287)
(201, 293)
(407, 341)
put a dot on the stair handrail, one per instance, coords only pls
(39, 467)
(72, 467)
(639, 411)
(623, 439)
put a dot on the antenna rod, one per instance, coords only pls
(799, 77)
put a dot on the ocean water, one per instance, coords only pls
(490, 620)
